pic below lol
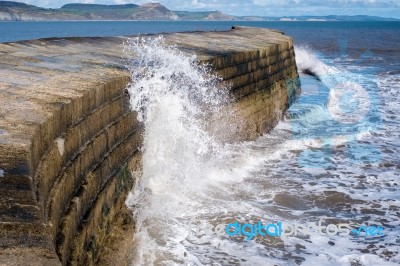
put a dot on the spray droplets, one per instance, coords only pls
(173, 97)
(159, 70)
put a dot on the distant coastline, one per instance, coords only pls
(16, 11)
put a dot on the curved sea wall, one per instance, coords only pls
(69, 141)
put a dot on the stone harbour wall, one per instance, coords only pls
(263, 83)
(69, 141)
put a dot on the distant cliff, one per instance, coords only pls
(15, 11)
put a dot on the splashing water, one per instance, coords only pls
(173, 96)
(307, 61)
(190, 179)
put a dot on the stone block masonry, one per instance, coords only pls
(69, 140)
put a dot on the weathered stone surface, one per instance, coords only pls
(69, 141)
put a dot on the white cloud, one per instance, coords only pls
(331, 3)
(121, 2)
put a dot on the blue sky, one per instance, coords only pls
(383, 8)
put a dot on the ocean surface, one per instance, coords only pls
(327, 178)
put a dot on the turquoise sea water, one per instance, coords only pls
(325, 37)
